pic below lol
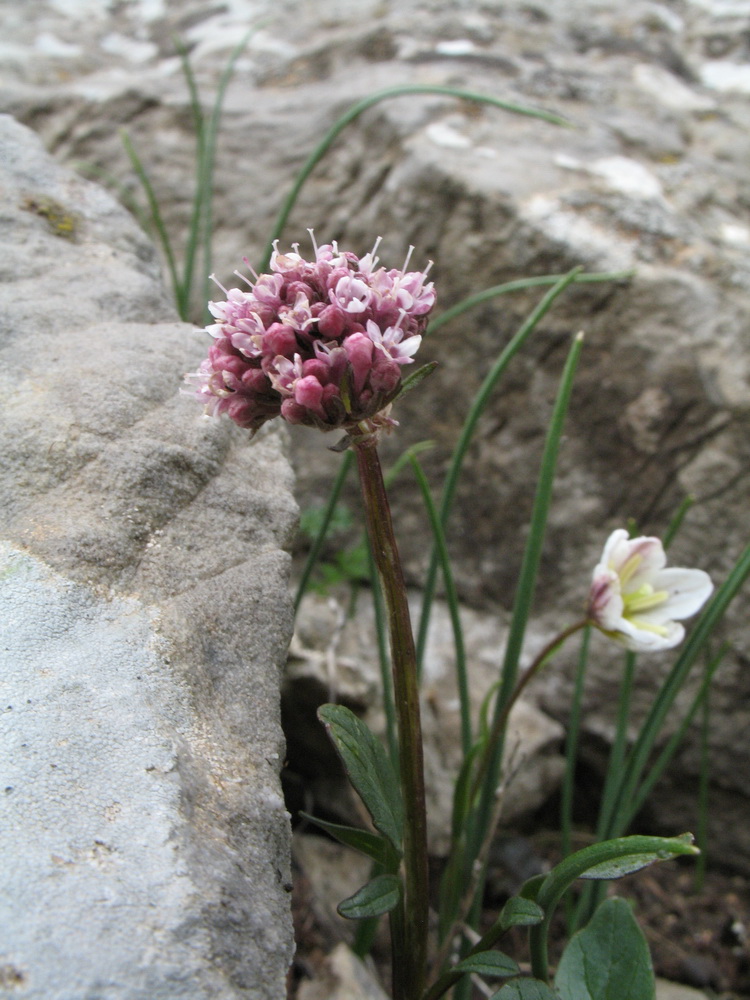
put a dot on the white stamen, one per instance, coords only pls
(312, 238)
(212, 277)
(374, 250)
(408, 258)
(250, 267)
(244, 278)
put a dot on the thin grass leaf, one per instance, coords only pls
(703, 791)
(676, 522)
(200, 193)
(571, 747)
(404, 459)
(661, 763)
(124, 194)
(480, 822)
(325, 521)
(361, 106)
(451, 597)
(196, 109)
(520, 284)
(529, 569)
(619, 747)
(156, 219)
(206, 176)
(467, 433)
(649, 733)
(384, 660)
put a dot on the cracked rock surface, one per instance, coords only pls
(145, 621)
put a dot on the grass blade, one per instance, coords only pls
(156, 219)
(361, 106)
(529, 568)
(467, 432)
(451, 596)
(319, 540)
(519, 285)
(652, 726)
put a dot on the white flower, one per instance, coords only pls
(636, 601)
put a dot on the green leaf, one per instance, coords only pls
(530, 888)
(611, 855)
(610, 859)
(608, 959)
(525, 989)
(520, 912)
(379, 896)
(369, 769)
(413, 380)
(488, 963)
(371, 844)
(661, 849)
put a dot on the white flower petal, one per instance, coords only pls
(650, 557)
(636, 601)
(605, 601)
(613, 543)
(689, 589)
(641, 640)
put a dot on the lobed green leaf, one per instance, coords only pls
(379, 896)
(369, 769)
(371, 844)
(488, 963)
(521, 912)
(608, 960)
(525, 989)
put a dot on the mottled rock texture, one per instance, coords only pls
(145, 622)
(652, 176)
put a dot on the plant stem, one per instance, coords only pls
(501, 719)
(408, 981)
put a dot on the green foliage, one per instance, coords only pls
(371, 844)
(198, 242)
(608, 960)
(369, 768)
(525, 989)
(608, 860)
(492, 964)
(379, 896)
(520, 912)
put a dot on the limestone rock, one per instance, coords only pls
(146, 615)
(343, 977)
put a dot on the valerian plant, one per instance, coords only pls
(327, 342)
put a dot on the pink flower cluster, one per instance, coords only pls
(317, 342)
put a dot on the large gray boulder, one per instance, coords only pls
(145, 621)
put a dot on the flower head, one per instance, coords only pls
(635, 600)
(319, 342)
